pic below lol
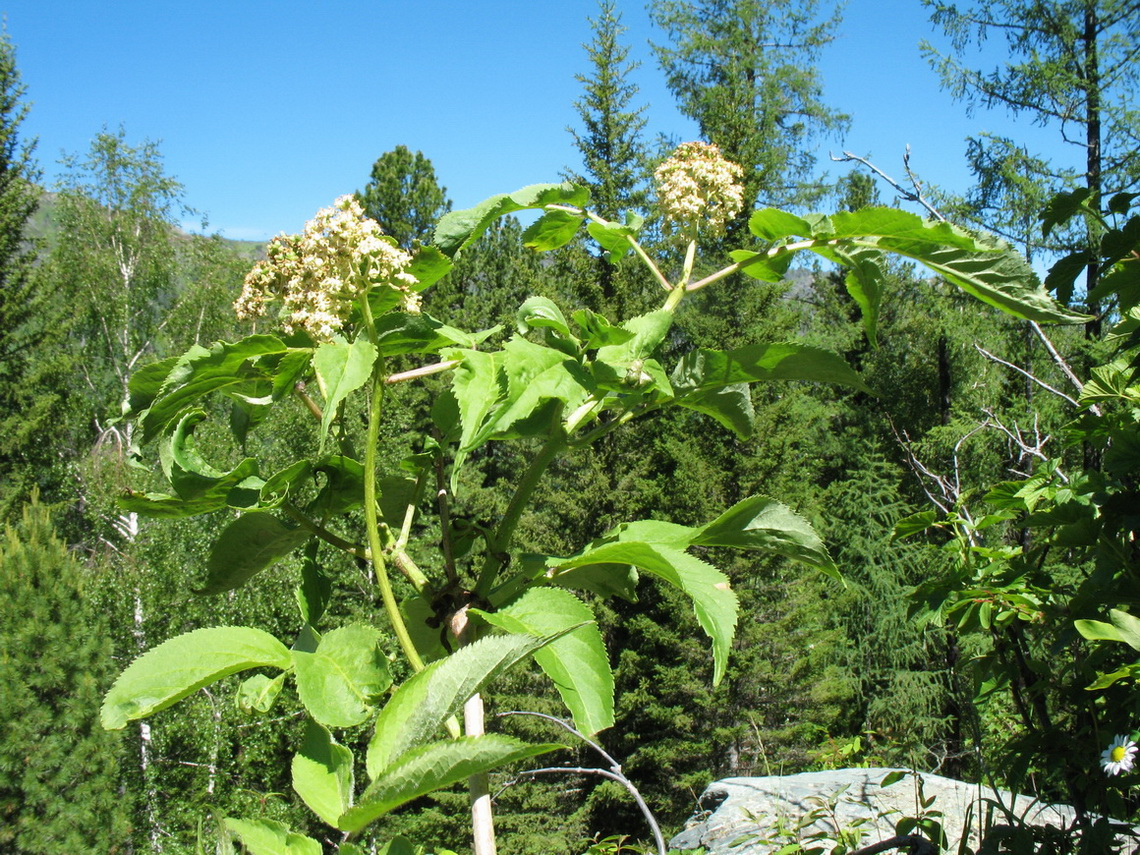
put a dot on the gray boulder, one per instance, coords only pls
(757, 816)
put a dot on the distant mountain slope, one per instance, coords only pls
(44, 225)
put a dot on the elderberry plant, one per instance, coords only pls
(347, 301)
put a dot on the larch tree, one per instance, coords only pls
(1071, 65)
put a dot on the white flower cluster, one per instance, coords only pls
(319, 273)
(698, 182)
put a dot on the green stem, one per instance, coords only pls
(372, 523)
(323, 533)
(678, 291)
(505, 531)
(774, 252)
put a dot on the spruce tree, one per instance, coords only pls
(59, 769)
(27, 403)
(610, 141)
(745, 71)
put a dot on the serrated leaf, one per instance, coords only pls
(613, 237)
(577, 662)
(703, 370)
(343, 489)
(477, 385)
(535, 375)
(418, 332)
(322, 774)
(341, 370)
(417, 709)
(340, 682)
(431, 767)
(914, 524)
(247, 546)
(605, 580)
(283, 485)
(459, 229)
(201, 371)
(429, 265)
(772, 224)
(769, 526)
(761, 265)
(866, 273)
(186, 663)
(553, 229)
(730, 405)
(315, 590)
(257, 693)
(713, 600)
(598, 331)
(267, 837)
(536, 312)
(1062, 207)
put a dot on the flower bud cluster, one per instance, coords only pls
(698, 186)
(319, 273)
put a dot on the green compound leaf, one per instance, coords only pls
(535, 376)
(772, 224)
(322, 774)
(341, 369)
(244, 365)
(267, 837)
(978, 264)
(769, 526)
(459, 229)
(553, 229)
(247, 546)
(614, 237)
(402, 332)
(429, 265)
(417, 709)
(186, 663)
(340, 682)
(577, 662)
(257, 693)
(431, 767)
(542, 312)
(866, 275)
(704, 370)
(713, 600)
(761, 265)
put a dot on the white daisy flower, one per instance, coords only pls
(1120, 756)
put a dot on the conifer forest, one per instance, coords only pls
(436, 530)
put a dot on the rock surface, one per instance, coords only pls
(760, 815)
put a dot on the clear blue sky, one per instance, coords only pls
(266, 111)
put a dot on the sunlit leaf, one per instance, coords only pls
(419, 707)
(577, 662)
(186, 663)
(769, 526)
(459, 229)
(340, 682)
(427, 768)
(268, 837)
(322, 774)
(341, 369)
